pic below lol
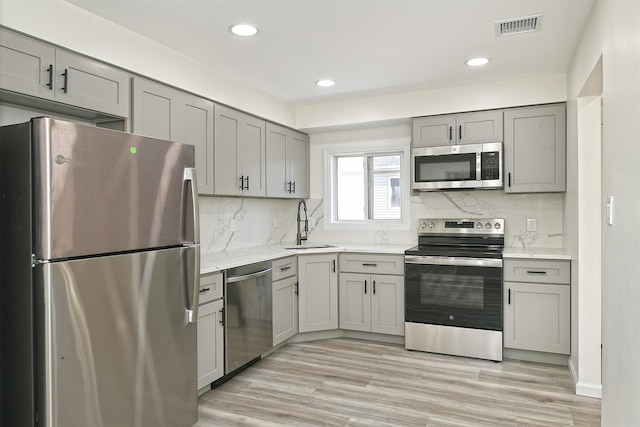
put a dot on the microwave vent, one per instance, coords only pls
(526, 24)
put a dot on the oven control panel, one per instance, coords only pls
(461, 226)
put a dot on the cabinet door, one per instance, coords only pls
(535, 149)
(276, 162)
(479, 127)
(26, 65)
(537, 317)
(156, 108)
(210, 343)
(318, 292)
(251, 155)
(198, 131)
(285, 309)
(434, 130)
(355, 301)
(387, 304)
(90, 84)
(163, 112)
(298, 164)
(287, 163)
(227, 131)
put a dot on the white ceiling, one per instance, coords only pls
(370, 47)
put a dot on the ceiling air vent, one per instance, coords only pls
(518, 25)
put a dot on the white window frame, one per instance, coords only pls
(376, 148)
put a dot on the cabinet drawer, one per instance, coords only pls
(538, 271)
(371, 263)
(284, 267)
(210, 287)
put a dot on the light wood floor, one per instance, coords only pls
(344, 382)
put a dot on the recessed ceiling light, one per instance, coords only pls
(243, 30)
(326, 82)
(475, 62)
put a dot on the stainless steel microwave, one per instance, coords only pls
(457, 167)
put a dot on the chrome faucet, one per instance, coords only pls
(299, 237)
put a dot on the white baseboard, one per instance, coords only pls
(582, 388)
(589, 390)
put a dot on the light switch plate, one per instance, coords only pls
(532, 224)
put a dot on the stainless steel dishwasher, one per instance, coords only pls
(248, 314)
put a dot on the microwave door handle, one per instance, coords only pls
(478, 166)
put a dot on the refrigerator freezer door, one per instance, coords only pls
(118, 349)
(99, 191)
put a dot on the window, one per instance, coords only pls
(366, 189)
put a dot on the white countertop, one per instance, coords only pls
(216, 261)
(536, 253)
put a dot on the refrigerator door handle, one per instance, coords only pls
(190, 175)
(192, 294)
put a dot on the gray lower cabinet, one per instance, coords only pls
(210, 331)
(163, 112)
(318, 292)
(31, 67)
(239, 153)
(370, 301)
(463, 128)
(535, 149)
(285, 299)
(287, 162)
(537, 305)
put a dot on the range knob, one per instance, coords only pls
(479, 226)
(497, 226)
(423, 225)
(488, 226)
(431, 225)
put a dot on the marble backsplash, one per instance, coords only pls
(234, 223)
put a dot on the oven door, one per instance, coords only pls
(462, 292)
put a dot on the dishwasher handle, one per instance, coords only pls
(249, 276)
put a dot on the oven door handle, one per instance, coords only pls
(465, 262)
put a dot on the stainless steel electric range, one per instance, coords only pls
(453, 288)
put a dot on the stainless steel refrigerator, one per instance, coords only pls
(99, 274)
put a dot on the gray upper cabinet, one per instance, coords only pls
(25, 65)
(287, 163)
(240, 153)
(163, 112)
(464, 128)
(535, 149)
(34, 68)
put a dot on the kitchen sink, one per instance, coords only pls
(309, 246)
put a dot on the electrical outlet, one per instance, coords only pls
(531, 224)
